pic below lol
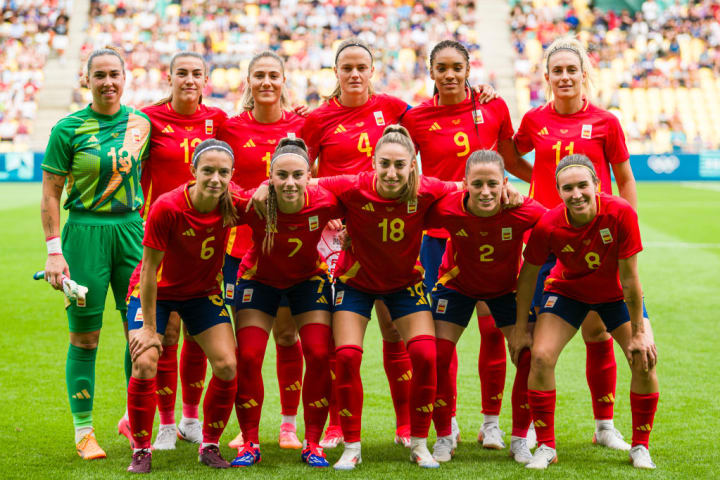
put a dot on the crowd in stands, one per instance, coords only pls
(658, 69)
(30, 32)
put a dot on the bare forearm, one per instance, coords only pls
(628, 191)
(526, 286)
(50, 203)
(148, 296)
(514, 162)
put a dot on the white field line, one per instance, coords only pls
(652, 244)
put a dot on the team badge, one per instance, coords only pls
(606, 236)
(139, 315)
(379, 119)
(507, 233)
(456, 121)
(230, 290)
(291, 134)
(484, 234)
(586, 131)
(339, 297)
(360, 124)
(208, 126)
(135, 132)
(563, 130)
(551, 301)
(247, 295)
(478, 117)
(442, 305)
(313, 222)
(412, 206)
(189, 128)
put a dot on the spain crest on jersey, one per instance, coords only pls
(379, 119)
(135, 132)
(313, 223)
(586, 131)
(247, 295)
(208, 126)
(412, 206)
(606, 236)
(230, 290)
(339, 297)
(507, 233)
(478, 116)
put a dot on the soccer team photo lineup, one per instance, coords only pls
(316, 173)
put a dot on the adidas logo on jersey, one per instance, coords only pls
(543, 131)
(568, 249)
(461, 233)
(189, 232)
(434, 127)
(645, 428)
(340, 129)
(368, 207)
(249, 144)
(168, 129)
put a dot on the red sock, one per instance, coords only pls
(399, 374)
(141, 409)
(442, 412)
(166, 384)
(217, 408)
(491, 365)
(643, 407)
(193, 367)
(333, 415)
(542, 409)
(423, 355)
(251, 344)
(316, 386)
(453, 379)
(349, 390)
(520, 407)
(601, 373)
(289, 373)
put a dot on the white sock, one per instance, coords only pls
(289, 419)
(80, 432)
(352, 446)
(205, 445)
(168, 426)
(125, 415)
(491, 420)
(454, 423)
(417, 441)
(604, 425)
(185, 420)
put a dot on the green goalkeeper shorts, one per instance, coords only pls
(101, 250)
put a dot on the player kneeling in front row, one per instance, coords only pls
(596, 239)
(184, 244)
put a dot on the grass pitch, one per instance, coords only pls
(679, 271)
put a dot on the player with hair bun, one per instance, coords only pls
(596, 239)
(480, 263)
(185, 237)
(96, 154)
(254, 135)
(569, 124)
(283, 261)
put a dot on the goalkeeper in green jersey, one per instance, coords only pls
(96, 155)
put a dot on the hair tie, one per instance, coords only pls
(212, 147)
(354, 44)
(575, 165)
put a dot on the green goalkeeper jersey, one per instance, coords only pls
(101, 156)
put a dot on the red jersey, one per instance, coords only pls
(172, 142)
(385, 233)
(587, 257)
(592, 131)
(253, 144)
(193, 242)
(343, 138)
(294, 257)
(482, 258)
(446, 135)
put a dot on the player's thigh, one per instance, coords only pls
(218, 343)
(593, 329)
(310, 301)
(126, 245)
(172, 330)
(415, 324)
(387, 328)
(482, 309)
(284, 329)
(551, 335)
(349, 328)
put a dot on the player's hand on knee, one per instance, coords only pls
(518, 342)
(642, 350)
(55, 268)
(142, 340)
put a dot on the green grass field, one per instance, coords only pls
(679, 271)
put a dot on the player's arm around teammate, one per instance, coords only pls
(596, 238)
(99, 151)
(184, 244)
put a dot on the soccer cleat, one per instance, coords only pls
(141, 461)
(519, 450)
(237, 442)
(124, 429)
(190, 430)
(288, 437)
(443, 450)
(349, 458)
(491, 436)
(314, 456)
(402, 436)
(611, 438)
(420, 454)
(542, 457)
(332, 438)
(455, 431)
(248, 455)
(640, 457)
(211, 457)
(166, 438)
(88, 448)
(531, 437)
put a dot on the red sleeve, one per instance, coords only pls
(400, 107)
(615, 149)
(311, 132)
(536, 210)
(629, 233)
(338, 185)
(158, 226)
(505, 131)
(523, 139)
(438, 188)
(538, 246)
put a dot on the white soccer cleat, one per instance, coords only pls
(332, 438)
(455, 431)
(542, 458)
(640, 457)
(531, 437)
(166, 438)
(190, 430)
(491, 436)
(611, 438)
(519, 450)
(443, 450)
(350, 457)
(420, 454)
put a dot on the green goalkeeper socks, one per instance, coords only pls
(80, 379)
(128, 364)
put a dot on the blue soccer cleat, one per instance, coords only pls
(247, 456)
(314, 456)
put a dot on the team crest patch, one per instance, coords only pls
(230, 290)
(339, 297)
(135, 132)
(586, 131)
(442, 305)
(478, 117)
(81, 302)
(507, 233)
(313, 222)
(139, 315)
(208, 126)
(412, 206)
(379, 119)
(247, 295)
(551, 301)
(290, 134)
(606, 236)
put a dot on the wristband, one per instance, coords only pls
(53, 246)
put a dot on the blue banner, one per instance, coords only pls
(676, 167)
(20, 167)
